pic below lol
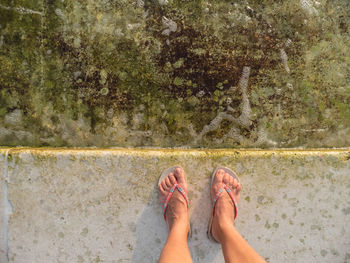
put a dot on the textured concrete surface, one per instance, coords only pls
(102, 206)
(2, 208)
(173, 73)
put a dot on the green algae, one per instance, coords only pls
(134, 73)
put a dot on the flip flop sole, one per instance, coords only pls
(163, 175)
(234, 175)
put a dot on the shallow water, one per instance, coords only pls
(175, 74)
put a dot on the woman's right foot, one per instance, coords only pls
(223, 217)
(177, 210)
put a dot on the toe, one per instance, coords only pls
(234, 183)
(161, 189)
(167, 181)
(239, 187)
(231, 181)
(220, 172)
(219, 176)
(172, 178)
(179, 175)
(164, 186)
(226, 179)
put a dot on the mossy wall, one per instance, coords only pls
(175, 73)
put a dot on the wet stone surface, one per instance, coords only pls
(175, 73)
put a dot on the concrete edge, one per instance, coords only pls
(177, 151)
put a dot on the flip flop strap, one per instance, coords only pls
(218, 194)
(171, 192)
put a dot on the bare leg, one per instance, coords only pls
(234, 246)
(176, 248)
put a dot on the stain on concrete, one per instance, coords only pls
(323, 252)
(346, 210)
(84, 232)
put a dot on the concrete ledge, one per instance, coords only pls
(3, 220)
(100, 205)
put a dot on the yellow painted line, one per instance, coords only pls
(176, 151)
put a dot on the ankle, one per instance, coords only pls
(179, 226)
(223, 219)
(178, 221)
(222, 228)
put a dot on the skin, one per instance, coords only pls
(234, 246)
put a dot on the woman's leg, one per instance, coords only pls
(175, 249)
(234, 246)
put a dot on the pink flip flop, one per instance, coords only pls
(164, 174)
(217, 196)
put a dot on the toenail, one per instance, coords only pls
(220, 171)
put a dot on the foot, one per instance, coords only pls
(177, 211)
(223, 218)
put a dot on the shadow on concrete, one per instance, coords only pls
(202, 249)
(151, 231)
